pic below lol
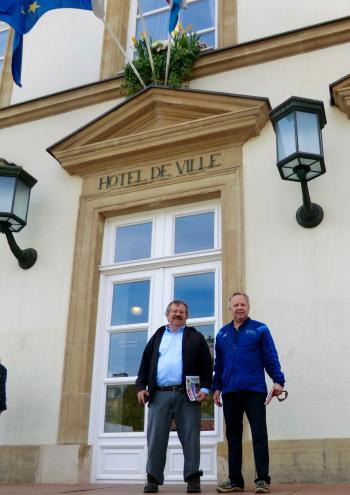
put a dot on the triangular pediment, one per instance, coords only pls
(156, 115)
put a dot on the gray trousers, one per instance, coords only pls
(164, 407)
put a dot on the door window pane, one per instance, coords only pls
(194, 232)
(198, 291)
(122, 413)
(125, 352)
(207, 409)
(207, 415)
(130, 303)
(133, 242)
(208, 332)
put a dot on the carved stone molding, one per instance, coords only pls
(157, 122)
(340, 94)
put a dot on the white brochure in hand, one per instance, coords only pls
(193, 387)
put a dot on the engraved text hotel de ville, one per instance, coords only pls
(164, 171)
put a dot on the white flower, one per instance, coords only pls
(159, 45)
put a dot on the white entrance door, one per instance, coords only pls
(149, 260)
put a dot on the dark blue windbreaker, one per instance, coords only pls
(242, 356)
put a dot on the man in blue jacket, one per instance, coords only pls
(3, 376)
(244, 350)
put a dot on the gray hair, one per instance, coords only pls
(240, 294)
(177, 302)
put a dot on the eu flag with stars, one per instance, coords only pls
(22, 15)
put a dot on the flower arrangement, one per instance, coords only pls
(184, 51)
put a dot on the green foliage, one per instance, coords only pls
(185, 49)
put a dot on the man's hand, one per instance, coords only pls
(277, 389)
(216, 397)
(141, 397)
(201, 396)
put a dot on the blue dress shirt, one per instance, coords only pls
(169, 371)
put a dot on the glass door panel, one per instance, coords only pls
(125, 352)
(209, 334)
(198, 291)
(122, 412)
(207, 417)
(130, 302)
(197, 286)
(162, 250)
(127, 334)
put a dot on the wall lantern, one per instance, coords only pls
(15, 186)
(297, 123)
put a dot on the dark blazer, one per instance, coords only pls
(3, 376)
(196, 360)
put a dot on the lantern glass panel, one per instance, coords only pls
(7, 187)
(308, 161)
(285, 132)
(316, 167)
(14, 225)
(312, 175)
(21, 200)
(308, 133)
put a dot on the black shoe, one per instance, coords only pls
(151, 485)
(194, 484)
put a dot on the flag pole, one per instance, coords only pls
(121, 48)
(147, 39)
(167, 60)
(98, 8)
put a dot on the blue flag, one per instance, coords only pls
(175, 6)
(22, 15)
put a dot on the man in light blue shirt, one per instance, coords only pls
(174, 352)
(169, 371)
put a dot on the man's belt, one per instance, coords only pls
(171, 388)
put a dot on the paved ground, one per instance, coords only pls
(108, 489)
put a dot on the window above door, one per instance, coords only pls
(186, 231)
